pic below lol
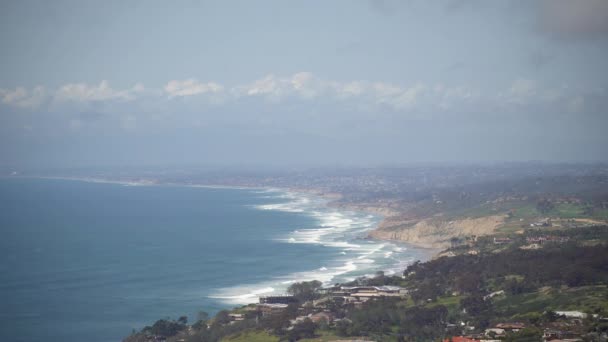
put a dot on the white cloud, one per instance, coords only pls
(355, 88)
(21, 97)
(410, 96)
(302, 84)
(191, 87)
(269, 85)
(365, 96)
(520, 92)
(305, 84)
(82, 92)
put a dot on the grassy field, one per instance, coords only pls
(525, 211)
(586, 299)
(601, 214)
(568, 210)
(451, 302)
(324, 336)
(252, 336)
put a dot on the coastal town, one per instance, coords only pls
(520, 258)
(458, 307)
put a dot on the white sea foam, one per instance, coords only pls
(241, 295)
(336, 230)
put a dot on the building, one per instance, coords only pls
(546, 238)
(271, 309)
(460, 339)
(278, 299)
(320, 316)
(572, 314)
(372, 291)
(501, 241)
(495, 332)
(236, 317)
(515, 327)
(494, 294)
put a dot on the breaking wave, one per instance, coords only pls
(343, 233)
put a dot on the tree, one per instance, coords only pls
(305, 291)
(304, 329)
(468, 282)
(475, 305)
(202, 316)
(165, 327)
(343, 327)
(544, 206)
(525, 335)
(426, 291)
(276, 323)
(222, 317)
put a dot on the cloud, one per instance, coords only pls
(302, 84)
(569, 19)
(21, 97)
(521, 91)
(82, 92)
(361, 96)
(269, 85)
(190, 87)
(306, 85)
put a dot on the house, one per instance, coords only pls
(560, 335)
(297, 320)
(516, 326)
(572, 314)
(502, 241)
(373, 291)
(546, 238)
(357, 295)
(495, 332)
(546, 222)
(236, 317)
(278, 299)
(320, 316)
(271, 309)
(531, 246)
(494, 294)
(460, 339)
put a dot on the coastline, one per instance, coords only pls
(249, 294)
(332, 200)
(386, 215)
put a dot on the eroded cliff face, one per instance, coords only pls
(435, 232)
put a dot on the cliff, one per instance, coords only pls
(435, 232)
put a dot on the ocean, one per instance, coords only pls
(83, 260)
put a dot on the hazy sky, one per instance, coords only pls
(302, 82)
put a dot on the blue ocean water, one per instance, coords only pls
(93, 261)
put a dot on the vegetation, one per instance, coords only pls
(448, 296)
(305, 291)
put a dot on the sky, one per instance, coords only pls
(127, 83)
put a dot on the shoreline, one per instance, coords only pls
(331, 198)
